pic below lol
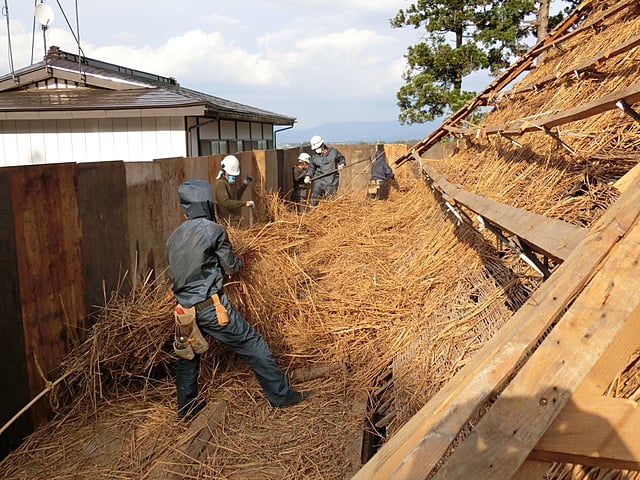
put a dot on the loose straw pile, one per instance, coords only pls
(349, 287)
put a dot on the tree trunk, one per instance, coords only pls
(543, 19)
(457, 84)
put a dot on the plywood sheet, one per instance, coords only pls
(50, 270)
(102, 205)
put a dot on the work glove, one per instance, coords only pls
(250, 204)
(340, 166)
(248, 179)
(307, 179)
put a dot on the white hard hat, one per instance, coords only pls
(304, 157)
(316, 142)
(231, 165)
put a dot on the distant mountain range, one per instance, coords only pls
(357, 132)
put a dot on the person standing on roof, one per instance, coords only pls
(200, 255)
(299, 193)
(324, 170)
(381, 175)
(228, 192)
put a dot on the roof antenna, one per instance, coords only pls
(5, 12)
(44, 16)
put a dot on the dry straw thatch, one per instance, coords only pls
(348, 286)
(356, 288)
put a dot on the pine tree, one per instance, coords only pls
(461, 36)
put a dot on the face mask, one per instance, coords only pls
(231, 178)
(318, 150)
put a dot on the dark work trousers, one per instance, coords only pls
(323, 188)
(242, 338)
(299, 197)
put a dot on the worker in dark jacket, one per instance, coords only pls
(200, 255)
(381, 175)
(299, 193)
(324, 170)
(228, 191)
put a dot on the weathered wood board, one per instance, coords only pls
(102, 205)
(50, 270)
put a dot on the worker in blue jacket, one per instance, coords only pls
(324, 170)
(381, 175)
(200, 255)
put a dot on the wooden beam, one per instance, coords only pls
(505, 436)
(582, 66)
(419, 445)
(190, 445)
(548, 236)
(595, 431)
(628, 177)
(630, 95)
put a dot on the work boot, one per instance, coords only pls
(293, 397)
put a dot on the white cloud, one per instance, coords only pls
(321, 60)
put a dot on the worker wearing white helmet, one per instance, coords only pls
(324, 169)
(228, 192)
(299, 172)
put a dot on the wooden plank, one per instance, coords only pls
(610, 364)
(12, 341)
(630, 95)
(623, 183)
(172, 173)
(549, 236)
(102, 206)
(505, 436)
(418, 446)
(144, 219)
(190, 445)
(49, 258)
(595, 431)
(355, 438)
(612, 361)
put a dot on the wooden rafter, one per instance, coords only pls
(582, 67)
(630, 95)
(548, 236)
(507, 434)
(422, 443)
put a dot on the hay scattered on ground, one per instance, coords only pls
(349, 287)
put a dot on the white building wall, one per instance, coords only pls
(24, 142)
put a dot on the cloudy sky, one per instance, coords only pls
(316, 60)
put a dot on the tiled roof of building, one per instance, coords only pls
(106, 86)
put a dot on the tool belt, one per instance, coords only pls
(188, 338)
(221, 312)
(374, 187)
